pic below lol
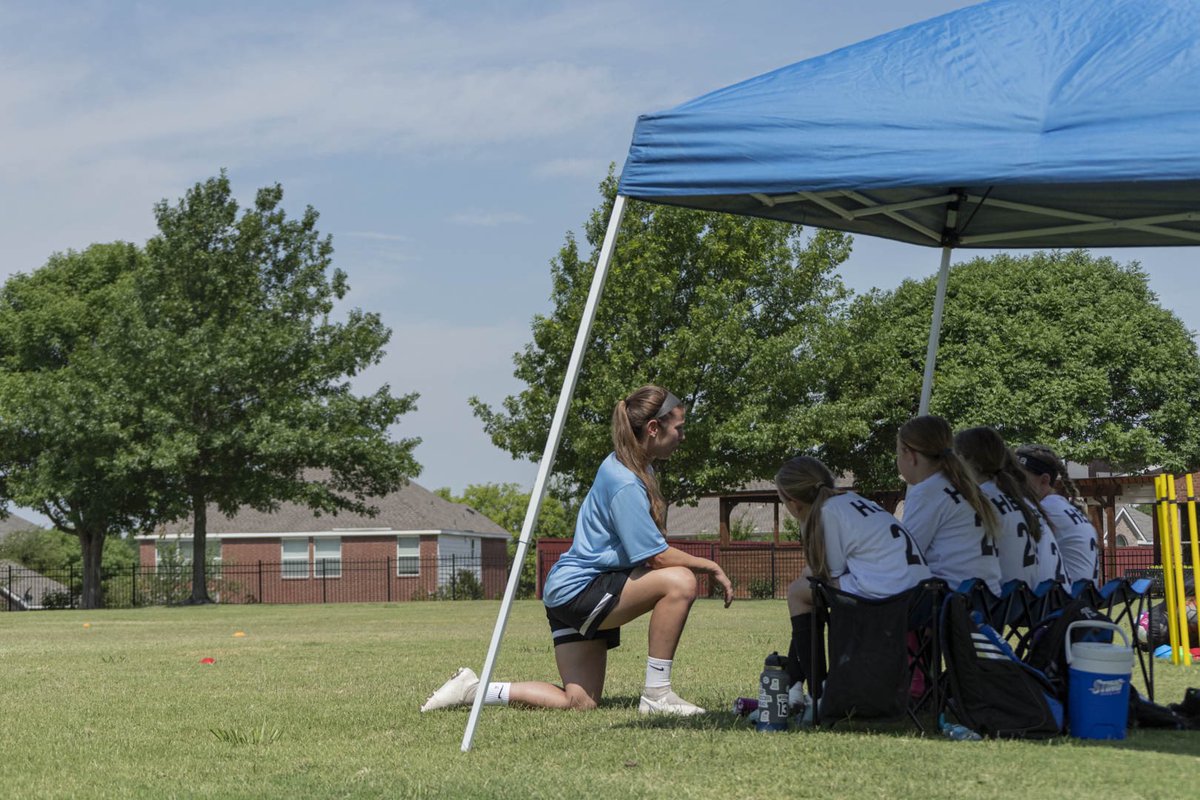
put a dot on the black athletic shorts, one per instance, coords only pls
(578, 619)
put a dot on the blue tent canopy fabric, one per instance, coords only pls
(1051, 123)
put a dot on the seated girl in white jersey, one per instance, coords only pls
(1047, 475)
(618, 568)
(849, 542)
(1026, 546)
(952, 522)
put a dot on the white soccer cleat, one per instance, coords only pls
(670, 703)
(458, 691)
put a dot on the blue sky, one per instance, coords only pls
(448, 146)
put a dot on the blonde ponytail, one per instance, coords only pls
(629, 420)
(808, 481)
(984, 450)
(931, 437)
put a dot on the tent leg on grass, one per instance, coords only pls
(547, 463)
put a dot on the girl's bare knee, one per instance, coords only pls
(682, 583)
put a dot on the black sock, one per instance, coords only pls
(800, 653)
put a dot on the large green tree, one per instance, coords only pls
(505, 504)
(720, 309)
(73, 430)
(251, 372)
(1062, 348)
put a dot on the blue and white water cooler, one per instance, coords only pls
(1098, 690)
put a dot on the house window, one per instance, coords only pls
(295, 558)
(327, 558)
(178, 552)
(408, 555)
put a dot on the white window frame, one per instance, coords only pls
(213, 550)
(332, 564)
(289, 564)
(406, 556)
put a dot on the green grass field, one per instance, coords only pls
(321, 701)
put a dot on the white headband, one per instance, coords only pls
(668, 405)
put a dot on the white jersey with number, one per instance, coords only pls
(1050, 563)
(867, 549)
(1075, 536)
(950, 533)
(1017, 548)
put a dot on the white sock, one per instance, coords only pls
(658, 673)
(497, 694)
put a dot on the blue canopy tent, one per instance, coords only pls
(1024, 123)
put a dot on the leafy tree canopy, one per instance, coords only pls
(505, 504)
(73, 432)
(53, 552)
(253, 403)
(138, 387)
(719, 309)
(1061, 348)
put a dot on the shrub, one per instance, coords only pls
(761, 589)
(463, 586)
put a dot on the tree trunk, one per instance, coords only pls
(199, 550)
(92, 545)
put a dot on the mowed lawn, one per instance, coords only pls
(321, 701)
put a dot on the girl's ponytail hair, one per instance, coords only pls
(629, 420)
(931, 437)
(984, 450)
(808, 481)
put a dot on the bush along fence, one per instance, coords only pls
(758, 570)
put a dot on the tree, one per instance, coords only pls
(53, 551)
(505, 504)
(1061, 348)
(72, 414)
(253, 403)
(720, 309)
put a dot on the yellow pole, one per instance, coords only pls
(1168, 571)
(1191, 506)
(1185, 647)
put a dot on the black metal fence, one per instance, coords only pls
(319, 581)
(757, 570)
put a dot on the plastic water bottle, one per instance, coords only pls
(772, 713)
(959, 733)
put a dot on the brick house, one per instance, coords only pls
(417, 546)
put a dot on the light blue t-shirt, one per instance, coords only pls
(614, 531)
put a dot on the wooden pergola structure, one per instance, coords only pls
(728, 501)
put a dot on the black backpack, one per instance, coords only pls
(989, 689)
(1044, 646)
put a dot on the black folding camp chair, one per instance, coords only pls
(1006, 613)
(1046, 598)
(875, 646)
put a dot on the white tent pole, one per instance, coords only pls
(935, 330)
(547, 463)
(939, 300)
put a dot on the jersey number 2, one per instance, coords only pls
(911, 553)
